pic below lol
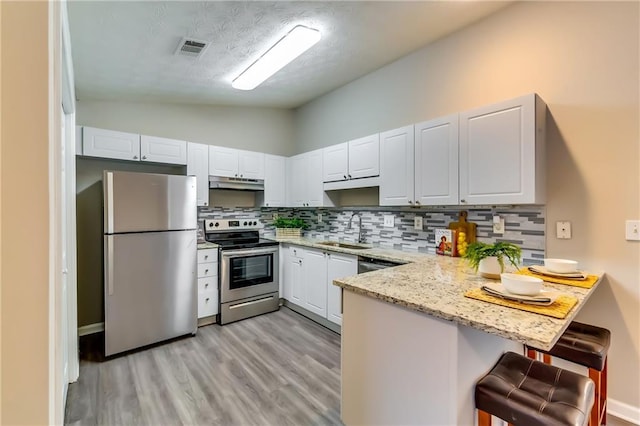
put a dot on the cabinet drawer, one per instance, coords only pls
(207, 303)
(209, 269)
(207, 255)
(208, 284)
(295, 251)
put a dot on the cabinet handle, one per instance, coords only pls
(236, 175)
(345, 176)
(300, 261)
(241, 175)
(206, 285)
(144, 157)
(206, 256)
(417, 202)
(206, 270)
(462, 201)
(206, 203)
(267, 204)
(135, 157)
(206, 300)
(410, 202)
(349, 176)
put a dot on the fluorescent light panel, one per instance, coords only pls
(289, 47)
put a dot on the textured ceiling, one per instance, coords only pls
(125, 50)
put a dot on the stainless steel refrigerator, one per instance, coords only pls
(150, 242)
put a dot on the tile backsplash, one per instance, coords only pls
(524, 225)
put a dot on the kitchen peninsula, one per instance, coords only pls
(413, 346)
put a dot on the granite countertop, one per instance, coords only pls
(436, 285)
(207, 245)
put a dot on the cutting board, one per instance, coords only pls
(469, 228)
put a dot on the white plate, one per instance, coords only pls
(576, 275)
(545, 297)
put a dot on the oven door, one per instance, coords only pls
(248, 272)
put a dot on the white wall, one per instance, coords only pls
(24, 189)
(267, 130)
(582, 59)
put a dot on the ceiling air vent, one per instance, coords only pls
(191, 47)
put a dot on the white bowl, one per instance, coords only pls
(521, 284)
(561, 266)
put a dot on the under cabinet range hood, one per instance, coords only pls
(220, 182)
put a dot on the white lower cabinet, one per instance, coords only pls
(207, 282)
(314, 267)
(338, 266)
(308, 279)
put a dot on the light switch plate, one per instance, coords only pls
(632, 230)
(498, 225)
(417, 222)
(563, 230)
(388, 221)
(275, 216)
(319, 217)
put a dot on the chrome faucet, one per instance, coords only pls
(360, 240)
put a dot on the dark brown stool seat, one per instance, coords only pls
(523, 391)
(586, 345)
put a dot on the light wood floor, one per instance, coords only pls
(275, 369)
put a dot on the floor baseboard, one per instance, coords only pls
(90, 329)
(623, 411)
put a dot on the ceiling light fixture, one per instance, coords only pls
(289, 47)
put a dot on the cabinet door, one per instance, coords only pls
(396, 167)
(338, 266)
(335, 160)
(298, 179)
(436, 161)
(251, 165)
(315, 186)
(315, 281)
(296, 283)
(364, 157)
(110, 144)
(502, 153)
(223, 161)
(274, 181)
(198, 166)
(163, 150)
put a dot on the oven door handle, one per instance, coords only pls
(253, 252)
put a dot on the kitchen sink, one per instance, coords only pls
(352, 246)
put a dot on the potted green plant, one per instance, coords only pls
(489, 259)
(289, 227)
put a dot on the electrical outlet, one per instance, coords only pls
(498, 225)
(417, 222)
(632, 230)
(388, 221)
(275, 216)
(563, 230)
(319, 217)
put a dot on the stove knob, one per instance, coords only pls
(217, 224)
(210, 224)
(255, 223)
(245, 223)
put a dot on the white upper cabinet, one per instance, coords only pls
(230, 162)
(274, 181)
(110, 144)
(396, 167)
(436, 161)
(163, 150)
(502, 153)
(223, 161)
(364, 157)
(198, 166)
(336, 163)
(305, 176)
(359, 158)
(251, 164)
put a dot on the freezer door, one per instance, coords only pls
(139, 202)
(150, 288)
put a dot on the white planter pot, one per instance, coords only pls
(490, 268)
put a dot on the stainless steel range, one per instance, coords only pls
(249, 279)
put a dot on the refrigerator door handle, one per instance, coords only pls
(108, 208)
(109, 268)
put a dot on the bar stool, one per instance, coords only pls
(523, 391)
(586, 345)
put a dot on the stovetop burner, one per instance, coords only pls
(235, 234)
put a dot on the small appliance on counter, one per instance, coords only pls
(150, 235)
(249, 281)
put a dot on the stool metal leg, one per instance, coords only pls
(603, 393)
(594, 419)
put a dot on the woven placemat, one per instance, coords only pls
(588, 283)
(558, 309)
